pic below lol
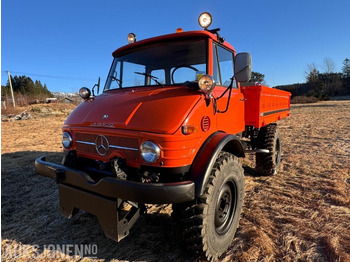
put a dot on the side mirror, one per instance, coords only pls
(243, 67)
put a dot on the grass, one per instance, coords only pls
(300, 214)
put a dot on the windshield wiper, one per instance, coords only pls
(117, 80)
(150, 76)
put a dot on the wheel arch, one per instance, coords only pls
(208, 153)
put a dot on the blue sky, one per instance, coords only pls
(68, 44)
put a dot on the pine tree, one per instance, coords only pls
(346, 75)
(25, 86)
(346, 67)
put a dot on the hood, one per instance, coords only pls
(156, 110)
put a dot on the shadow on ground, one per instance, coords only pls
(30, 215)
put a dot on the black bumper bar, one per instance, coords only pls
(109, 187)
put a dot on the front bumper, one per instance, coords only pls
(106, 198)
(113, 188)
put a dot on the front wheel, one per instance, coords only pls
(210, 223)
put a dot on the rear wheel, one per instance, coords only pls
(268, 164)
(209, 224)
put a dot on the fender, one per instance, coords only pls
(207, 155)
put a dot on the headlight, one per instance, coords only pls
(84, 92)
(206, 83)
(150, 152)
(66, 140)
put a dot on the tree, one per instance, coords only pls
(312, 73)
(346, 68)
(331, 80)
(346, 76)
(328, 65)
(257, 78)
(25, 86)
(4, 90)
(313, 80)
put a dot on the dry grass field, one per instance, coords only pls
(301, 214)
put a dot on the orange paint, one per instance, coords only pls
(130, 116)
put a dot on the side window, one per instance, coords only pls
(216, 66)
(224, 66)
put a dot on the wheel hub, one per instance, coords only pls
(225, 207)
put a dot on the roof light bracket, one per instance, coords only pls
(216, 32)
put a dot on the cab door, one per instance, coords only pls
(230, 120)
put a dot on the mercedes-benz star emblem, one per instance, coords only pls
(105, 116)
(102, 145)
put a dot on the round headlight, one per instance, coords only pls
(150, 152)
(206, 83)
(66, 140)
(205, 20)
(84, 92)
(131, 38)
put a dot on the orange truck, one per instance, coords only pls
(170, 127)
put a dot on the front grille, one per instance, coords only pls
(128, 146)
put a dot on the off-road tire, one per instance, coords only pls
(268, 164)
(210, 222)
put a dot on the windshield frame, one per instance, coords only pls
(150, 80)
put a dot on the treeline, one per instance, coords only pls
(26, 86)
(323, 85)
(25, 91)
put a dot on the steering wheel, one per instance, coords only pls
(182, 66)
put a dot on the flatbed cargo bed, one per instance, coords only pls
(265, 105)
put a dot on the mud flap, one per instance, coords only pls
(114, 221)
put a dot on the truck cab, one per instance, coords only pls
(152, 96)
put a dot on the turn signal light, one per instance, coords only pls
(189, 129)
(179, 30)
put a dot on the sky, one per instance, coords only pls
(69, 44)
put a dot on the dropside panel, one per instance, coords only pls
(265, 105)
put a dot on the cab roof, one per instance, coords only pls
(182, 35)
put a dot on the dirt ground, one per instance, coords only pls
(300, 214)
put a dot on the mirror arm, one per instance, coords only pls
(98, 87)
(229, 97)
(229, 87)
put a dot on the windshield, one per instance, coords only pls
(165, 63)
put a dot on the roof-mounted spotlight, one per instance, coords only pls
(205, 20)
(131, 38)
